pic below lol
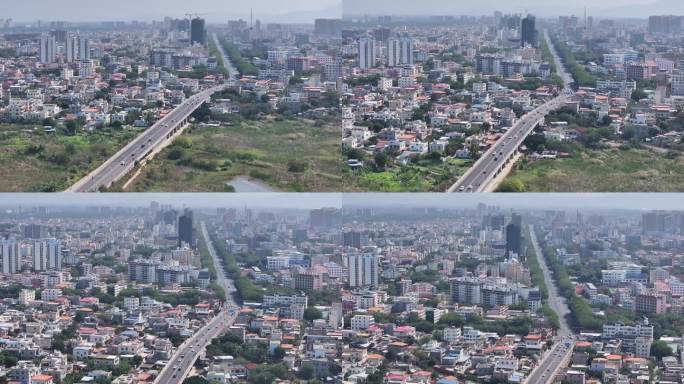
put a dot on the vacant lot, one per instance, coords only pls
(34, 161)
(424, 176)
(288, 155)
(606, 170)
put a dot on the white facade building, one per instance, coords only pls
(363, 270)
(367, 55)
(10, 257)
(47, 255)
(362, 322)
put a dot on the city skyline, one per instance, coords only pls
(602, 201)
(610, 8)
(194, 200)
(614, 201)
(342, 192)
(296, 11)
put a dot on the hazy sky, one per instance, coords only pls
(635, 201)
(200, 200)
(295, 11)
(601, 8)
(640, 201)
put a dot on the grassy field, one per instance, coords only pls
(422, 177)
(288, 155)
(606, 170)
(34, 161)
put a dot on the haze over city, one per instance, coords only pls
(550, 8)
(195, 200)
(292, 11)
(354, 192)
(587, 201)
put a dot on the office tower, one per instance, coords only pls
(516, 219)
(366, 53)
(324, 217)
(47, 49)
(83, 48)
(328, 27)
(10, 257)
(33, 231)
(528, 34)
(72, 43)
(351, 239)
(185, 228)
(363, 270)
(514, 236)
(47, 255)
(198, 32)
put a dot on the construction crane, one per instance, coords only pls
(190, 16)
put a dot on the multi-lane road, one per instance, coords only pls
(556, 300)
(182, 361)
(560, 68)
(221, 277)
(558, 356)
(144, 145)
(153, 139)
(494, 161)
(233, 74)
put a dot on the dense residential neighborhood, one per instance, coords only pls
(342, 192)
(424, 98)
(339, 293)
